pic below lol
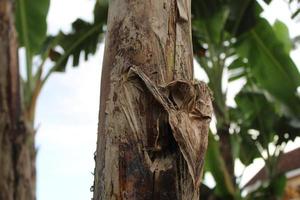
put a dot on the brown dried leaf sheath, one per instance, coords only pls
(189, 111)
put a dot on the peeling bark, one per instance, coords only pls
(17, 154)
(154, 118)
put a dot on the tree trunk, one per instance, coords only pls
(154, 118)
(17, 153)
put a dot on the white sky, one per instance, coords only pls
(67, 111)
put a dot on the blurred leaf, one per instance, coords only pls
(242, 145)
(102, 1)
(204, 9)
(236, 74)
(31, 23)
(282, 33)
(271, 189)
(278, 185)
(237, 69)
(287, 129)
(296, 13)
(84, 38)
(215, 164)
(243, 16)
(267, 1)
(207, 193)
(235, 143)
(47, 48)
(211, 28)
(271, 66)
(248, 150)
(255, 112)
(237, 63)
(100, 12)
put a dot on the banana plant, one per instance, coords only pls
(39, 47)
(31, 25)
(231, 36)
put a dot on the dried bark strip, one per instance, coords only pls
(17, 154)
(154, 118)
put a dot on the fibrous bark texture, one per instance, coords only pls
(154, 117)
(17, 155)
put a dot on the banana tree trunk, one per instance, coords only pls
(154, 118)
(17, 153)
